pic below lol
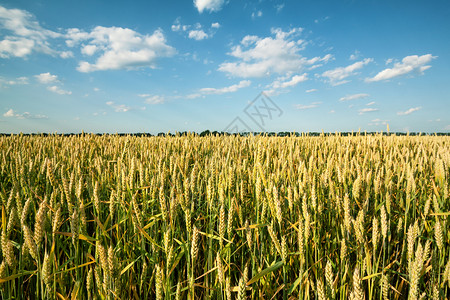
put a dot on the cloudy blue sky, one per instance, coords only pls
(159, 66)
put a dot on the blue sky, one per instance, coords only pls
(159, 66)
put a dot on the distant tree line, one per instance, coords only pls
(222, 133)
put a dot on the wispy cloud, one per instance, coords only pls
(279, 7)
(355, 55)
(17, 81)
(409, 111)
(119, 107)
(307, 106)
(257, 14)
(338, 76)
(219, 91)
(26, 115)
(311, 91)
(196, 31)
(412, 63)
(293, 81)
(152, 99)
(378, 122)
(58, 90)
(367, 110)
(354, 97)
(25, 35)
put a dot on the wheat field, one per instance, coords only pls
(225, 217)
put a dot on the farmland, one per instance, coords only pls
(225, 217)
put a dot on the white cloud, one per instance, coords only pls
(152, 99)
(46, 78)
(367, 110)
(66, 54)
(118, 107)
(389, 60)
(176, 27)
(311, 90)
(89, 49)
(198, 35)
(308, 106)
(258, 57)
(412, 63)
(122, 107)
(58, 90)
(25, 34)
(17, 81)
(279, 7)
(210, 5)
(229, 89)
(337, 76)
(9, 113)
(354, 97)
(195, 31)
(120, 48)
(370, 103)
(409, 111)
(26, 115)
(378, 122)
(355, 55)
(296, 79)
(257, 14)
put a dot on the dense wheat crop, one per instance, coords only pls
(329, 217)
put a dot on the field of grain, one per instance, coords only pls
(225, 217)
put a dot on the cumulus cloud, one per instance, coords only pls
(58, 90)
(409, 111)
(198, 35)
(279, 54)
(209, 5)
(119, 48)
(307, 106)
(46, 78)
(215, 25)
(50, 79)
(412, 63)
(338, 75)
(9, 113)
(353, 97)
(367, 110)
(25, 34)
(26, 115)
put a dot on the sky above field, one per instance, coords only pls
(268, 65)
